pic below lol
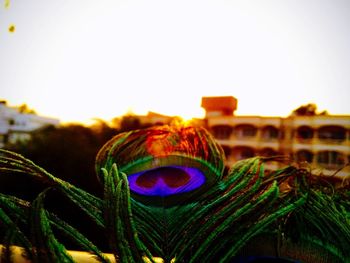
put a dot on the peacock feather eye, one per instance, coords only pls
(165, 164)
(166, 181)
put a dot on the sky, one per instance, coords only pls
(77, 60)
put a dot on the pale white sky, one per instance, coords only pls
(81, 59)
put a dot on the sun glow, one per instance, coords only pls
(80, 60)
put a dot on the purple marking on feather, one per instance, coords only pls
(165, 181)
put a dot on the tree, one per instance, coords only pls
(131, 122)
(309, 109)
(68, 151)
(25, 109)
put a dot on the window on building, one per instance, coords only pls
(242, 152)
(331, 159)
(304, 156)
(331, 132)
(269, 132)
(222, 131)
(227, 150)
(245, 130)
(11, 122)
(268, 152)
(304, 133)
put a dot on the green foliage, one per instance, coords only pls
(40, 220)
(288, 209)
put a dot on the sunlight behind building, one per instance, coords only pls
(82, 60)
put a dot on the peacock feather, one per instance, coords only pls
(165, 195)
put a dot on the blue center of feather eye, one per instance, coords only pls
(164, 181)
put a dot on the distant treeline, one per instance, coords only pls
(69, 151)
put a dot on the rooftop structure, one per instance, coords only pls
(219, 106)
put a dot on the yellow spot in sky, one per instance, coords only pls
(7, 3)
(12, 28)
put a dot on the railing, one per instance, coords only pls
(78, 256)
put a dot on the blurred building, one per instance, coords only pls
(322, 141)
(17, 125)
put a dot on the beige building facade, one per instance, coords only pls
(321, 142)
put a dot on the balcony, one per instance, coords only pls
(331, 134)
(268, 152)
(221, 132)
(245, 131)
(304, 156)
(269, 133)
(331, 160)
(304, 134)
(242, 152)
